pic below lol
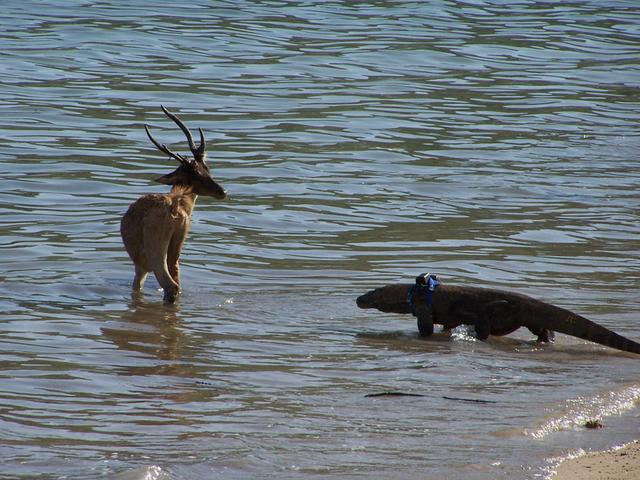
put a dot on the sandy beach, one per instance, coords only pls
(616, 464)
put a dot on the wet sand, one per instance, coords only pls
(615, 464)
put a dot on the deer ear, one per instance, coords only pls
(168, 179)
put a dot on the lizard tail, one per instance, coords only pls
(578, 326)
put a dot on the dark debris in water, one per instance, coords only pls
(394, 394)
(409, 394)
(593, 424)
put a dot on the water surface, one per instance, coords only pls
(493, 143)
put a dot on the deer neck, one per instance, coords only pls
(183, 197)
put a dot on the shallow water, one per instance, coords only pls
(362, 143)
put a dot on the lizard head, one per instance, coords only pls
(390, 298)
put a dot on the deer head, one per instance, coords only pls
(193, 174)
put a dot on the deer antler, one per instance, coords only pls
(199, 152)
(163, 148)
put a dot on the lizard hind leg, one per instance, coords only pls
(482, 329)
(495, 320)
(544, 334)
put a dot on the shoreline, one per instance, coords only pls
(617, 463)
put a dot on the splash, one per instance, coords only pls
(152, 472)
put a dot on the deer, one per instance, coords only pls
(155, 226)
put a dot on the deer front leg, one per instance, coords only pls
(173, 254)
(174, 271)
(169, 285)
(156, 244)
(173, 265)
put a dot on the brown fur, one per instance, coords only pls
(153, 231)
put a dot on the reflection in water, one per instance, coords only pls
(150, 328)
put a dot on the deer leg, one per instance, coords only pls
(175, 247)
(174, 271)
(156, 251)
(170, 287)
(173, 256)
(166, 281)
(138, 280)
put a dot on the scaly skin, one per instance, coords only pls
(491, 312)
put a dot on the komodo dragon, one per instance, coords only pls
(490, 311)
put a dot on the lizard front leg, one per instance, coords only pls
(424, 314)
